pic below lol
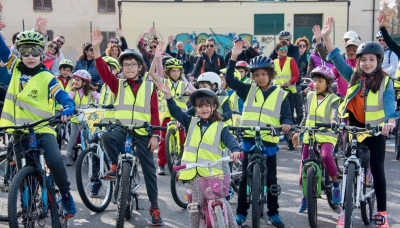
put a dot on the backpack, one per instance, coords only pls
(203, 66)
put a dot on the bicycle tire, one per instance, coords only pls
(219, 215)
(15, 197)
(79, 176)
(339, 148)
(181, 202)
(133, 202)
(171, 148)
(235, 180)
(255, 196)
(367, 207)
(59, 136)
(397, 144)
(63, 220)
(312, 197)
(350, 193)
(123, 193)
(4, 191)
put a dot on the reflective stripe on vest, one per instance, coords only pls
(131, 109)
(106, 95)
(202, 148)
(284, 75)
(321, 113)
(374, 108)
(176, 92)
(66, 89)
(258, 111)
(30, 104)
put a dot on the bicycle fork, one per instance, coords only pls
(352, 159)
(304, 177)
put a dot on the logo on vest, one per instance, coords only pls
(33, 94)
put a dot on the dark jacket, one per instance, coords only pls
(389, 41)
(293, 52)
(246, 55)
(185, 59)
(211, 65)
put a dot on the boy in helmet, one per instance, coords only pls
(30, 77)
(141, 98)
(243, 69)
(258, 97)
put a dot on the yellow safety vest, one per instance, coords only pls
(373, 108)
(107, 97)
(321, 113)
(131, 109)
(248, 81)
(258, 111)
(396, 83)
(66, 89)
(202, 148)
(234, 99)
(29, 105)
(284, 75)
(222, 100)
(177, 91)
(81, 102)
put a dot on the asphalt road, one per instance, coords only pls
(288, 163)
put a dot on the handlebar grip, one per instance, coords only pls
(109, 106)
(327, 125)
(179, 167)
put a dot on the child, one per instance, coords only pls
(243, 68)
(237, 103)
(260, 97)
(203, 129)
(321, 103)
(135, 103)
(106, 96)
(83, 94)
(27, 100)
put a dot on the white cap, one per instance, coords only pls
(350, 35)
(353, 41)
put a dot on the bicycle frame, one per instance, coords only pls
(172, 124)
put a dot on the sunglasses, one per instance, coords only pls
(152, 47)
(381, 40)
(114, 42)
(352, 49)
(90, 49)
(210, 45)
(302, 45)
(34, 53)
(53, 47)
(60, 42)
(283, 48)
(287, 40)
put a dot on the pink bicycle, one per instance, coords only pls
(214, 189)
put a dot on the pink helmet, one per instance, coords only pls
(242, 64)
(82, 74)
(323, 71)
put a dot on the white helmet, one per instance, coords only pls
(210, 77)
(83, 74)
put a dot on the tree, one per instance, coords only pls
(391, 16)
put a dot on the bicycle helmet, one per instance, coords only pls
(242, 65)
(370, 47)
(173, 63)
(131, 52)
(261, 62)
(111, 61)
(236, 73)
(284, 33)
(325, 72)
(66, 63)
(379, 35)
(210, 77)
(82, 74)
(30, 37)
(201, 93)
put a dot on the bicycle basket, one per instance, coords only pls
(214, 187)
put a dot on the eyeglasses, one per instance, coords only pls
(351, 49)
(53, 47)
(90, 49)
(283, 49)
(27, 53)
(210, 45)
(60, 42)
(381, 40)
(114, 42)
(287, 40)
(152, 47)
(302, 45)
(127, 65)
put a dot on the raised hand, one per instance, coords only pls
(170, 39)
(381, 20)
(153, 31)
(193, 45)
(164, 88)
(43, 26)
(159, 50)
(246, 43)
(2, 25)
(237, 50)
(97, 37)
(119, 32)
(317, 32)
(327, 27)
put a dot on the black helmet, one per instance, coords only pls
(203, 92)
(260, 62)
(370, 47)
(131, 52)
(284, 33)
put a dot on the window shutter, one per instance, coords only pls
(110, 6)
(101, 5)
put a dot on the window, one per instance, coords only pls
(106, 38)
(106, 6)
(50, 35)
(268, 24)
(42, 5)
(303, 24)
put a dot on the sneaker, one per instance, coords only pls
(230, 195)
(68, 205)
(68, 160)
(94, 193)
(161, 170)
(386, 224)
(112, 173)
(340, 222)
(303, 205)
(156, 219)
(290, 145)
(241, 220)
(336, 195)
(276, 221)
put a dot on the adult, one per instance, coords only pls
(256, 47)
(148, 52)
(197, 53)
(209, 61)
(86, 62)
(113, 50)
(50, 57)
(5, 74)
(114, 41)
(180, 55)
(390, 60)
(315, 59)
(388, 40)
(60, 42)
(13, 48)
(293, 50)
(303, 45)
(248, 51)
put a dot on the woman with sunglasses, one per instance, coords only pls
(50, 57)
(86, 62)
(121, 43)
(209, 61)
(304, 45)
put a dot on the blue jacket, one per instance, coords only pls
(82, 65)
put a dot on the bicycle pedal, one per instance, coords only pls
(193, 207)
(379, 220)
(275, 189)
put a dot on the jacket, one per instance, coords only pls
(210, 65)
(185, 59)
(246, 55)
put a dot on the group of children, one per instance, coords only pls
(136, 101)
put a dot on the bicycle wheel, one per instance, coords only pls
(3, 189)
(236, 175)
(349, 203)
(312, 196)
(256, 202)
(338, 151)
(178, 189)
(63, 220)
(171, 148)
(219, 215)
(123, 193)
(87, 179)
(368, 206)
(26, 190)
(133, 201)
(59, 135)
(397, 143)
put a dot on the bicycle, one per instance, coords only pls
(32, 187)
(313, 175)
(214, 189)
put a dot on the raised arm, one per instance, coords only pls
(157, 56)
(124, 45)
(389, 41)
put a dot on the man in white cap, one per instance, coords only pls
(390, 60)
(350, 35)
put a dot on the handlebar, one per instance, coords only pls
(257, 128)
(204, 165)
(51, 120)
(353, 129)
(149, 128)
